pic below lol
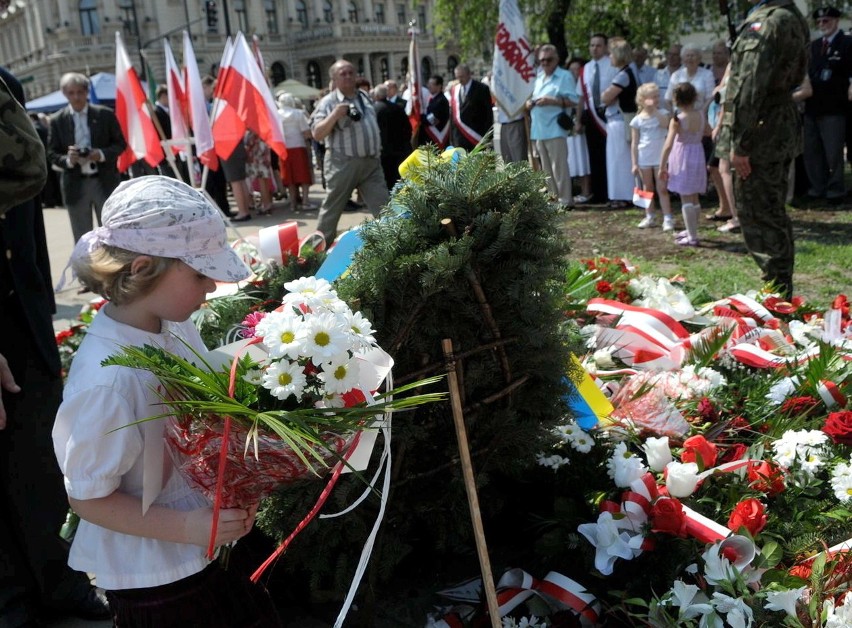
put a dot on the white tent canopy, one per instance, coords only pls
(103, 83)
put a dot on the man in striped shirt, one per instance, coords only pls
(346, 121)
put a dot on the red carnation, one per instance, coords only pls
(603, 286)
(838, 426)
(766, 477)
(696, 447)
(748, 514)
(707, 411)
(800, 406)
(667, 516)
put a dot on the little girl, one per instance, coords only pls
(648, 133)
(143, 530)
(682, 163)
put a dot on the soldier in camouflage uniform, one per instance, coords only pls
(761, 131)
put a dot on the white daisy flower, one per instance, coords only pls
(309, 291)
(581, 441)
(624, 467)
(331, 401)
(253, 377)
(340, 375)
(553, 462)
(284, 378)
(324, 338)
(841, 481)
(360, 327)
(283, 334)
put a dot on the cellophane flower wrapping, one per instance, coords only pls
(195, 447)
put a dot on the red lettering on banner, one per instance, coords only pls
(515, 52)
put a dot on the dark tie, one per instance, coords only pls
(824, 46)
(596, 86)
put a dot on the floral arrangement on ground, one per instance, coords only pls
(716, 488)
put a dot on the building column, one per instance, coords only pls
(318, 15)
(368, 11)
(391, 65)
(64, 13)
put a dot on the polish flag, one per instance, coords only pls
(246, 103)
(413, 107)
(133, 114)
(197, 107)
(177, 99)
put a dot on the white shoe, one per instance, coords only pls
(647, 221)
(668, 223)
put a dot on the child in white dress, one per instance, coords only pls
(143, 531)
(648, 134)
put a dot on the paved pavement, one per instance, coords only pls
(60, 243)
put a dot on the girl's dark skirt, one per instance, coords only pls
(213, 598)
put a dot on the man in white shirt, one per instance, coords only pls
(664, 75)
(597, 75)
(644, 73)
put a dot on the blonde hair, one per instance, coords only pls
(620, 51)
(107, 272)
(645, 91)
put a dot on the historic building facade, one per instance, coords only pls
(42, 39)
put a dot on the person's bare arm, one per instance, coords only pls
(123, 513)
(324, 127)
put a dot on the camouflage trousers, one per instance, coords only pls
(766, 227)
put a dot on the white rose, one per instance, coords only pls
(681, 478)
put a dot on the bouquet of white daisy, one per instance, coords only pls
(295, 397)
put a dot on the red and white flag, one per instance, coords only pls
(642, 199)
(197, 107)
(414, 107)
(513, 73)
(133, 114)
(245, 103)
(177, 99)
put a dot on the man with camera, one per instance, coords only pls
(554, 95)
(84, 144)
(346, 121)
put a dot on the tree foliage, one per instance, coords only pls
(567, 24)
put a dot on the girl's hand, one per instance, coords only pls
(234, 523)
(664, 173)
(635, 170)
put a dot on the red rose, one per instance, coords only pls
(838, 426)
(748, 514)
(800, 406)
(734, 452)
(766, 477)
(624, 297)
(603, 286)
(696, 447)
(667, 517)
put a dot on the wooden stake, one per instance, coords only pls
(470, 485)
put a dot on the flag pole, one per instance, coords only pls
(170, 157)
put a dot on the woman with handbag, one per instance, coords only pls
(554, 93)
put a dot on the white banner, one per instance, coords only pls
(513, 71)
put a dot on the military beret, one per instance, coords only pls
(826, 12)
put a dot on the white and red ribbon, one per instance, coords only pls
(455, 110)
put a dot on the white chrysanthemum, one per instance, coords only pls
(331, 401)
(284, 378)
(282, 333)
(566, 431)
(324, 337)
(360, 327)
(841, 481)
(804, 446)
(780, 390)
(624, 467)
(340, 375)
(553, 462)
(253, 377)
(581, 441)
(310, 291)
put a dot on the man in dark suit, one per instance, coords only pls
(393, 93)
(34, 574)
(470, 108)
(395, 132)
(830, 70)
(435, 121)
(85, 142)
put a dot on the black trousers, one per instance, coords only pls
(33, 503)
(596, 141)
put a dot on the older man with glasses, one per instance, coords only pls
(830, 71)
(554, 92)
